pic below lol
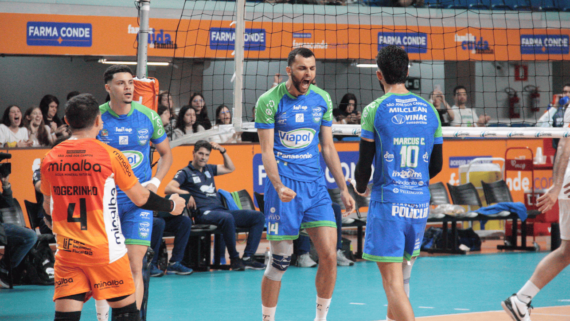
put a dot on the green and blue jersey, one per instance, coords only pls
(297, 122)
(404, 128)
(132, 134)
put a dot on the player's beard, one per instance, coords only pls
(297, 83)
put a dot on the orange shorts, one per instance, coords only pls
(105, 281)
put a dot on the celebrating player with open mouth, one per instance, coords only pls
(291, 118)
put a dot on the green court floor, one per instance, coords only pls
(439, 285)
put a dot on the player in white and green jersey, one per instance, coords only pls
(401, 133)
(291, 119)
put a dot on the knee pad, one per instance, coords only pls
(126, 313)
(407, 272)
(67, 316)
(281, 252)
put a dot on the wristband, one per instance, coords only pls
(275, 84)
(173, 205)
(225, 150)
(155, 181)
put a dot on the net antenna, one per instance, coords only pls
(238, 58)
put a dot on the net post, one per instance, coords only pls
(144, 12)
(238, 59)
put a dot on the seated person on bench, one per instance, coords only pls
(181, 227)
(197, 179)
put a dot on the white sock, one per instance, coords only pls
(527, 292)
(102, 307)
(322, 308)
(268, 313)
(388, 319)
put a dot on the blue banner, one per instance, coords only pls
(412, 42)
(348, 162)
(544, 44)
(224, 39)
(59, 34)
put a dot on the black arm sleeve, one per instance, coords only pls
(436, 161)
(157, 203)
(364, 166)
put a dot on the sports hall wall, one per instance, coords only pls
(249, 172)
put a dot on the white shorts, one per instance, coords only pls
(564, 205)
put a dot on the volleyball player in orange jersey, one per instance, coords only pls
(79, 180)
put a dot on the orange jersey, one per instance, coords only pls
(81, 179)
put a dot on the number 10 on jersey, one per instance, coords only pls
(409, 156)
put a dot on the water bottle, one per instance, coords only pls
(267, 256)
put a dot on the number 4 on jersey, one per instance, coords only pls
(82, 214)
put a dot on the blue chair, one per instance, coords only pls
(500, 5)
(523, 5)
(523, 124)
(458, 4)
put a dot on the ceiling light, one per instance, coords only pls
(150, 63)
(367, 66)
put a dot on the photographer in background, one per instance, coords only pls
(20, 239)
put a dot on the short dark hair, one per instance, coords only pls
(6, 116)
(72, 94)
(202, 143)
(81, 111)
(393, 63)
(566, 85)
(115, 69)
(161, 109)
(457, 88)
(303, 52)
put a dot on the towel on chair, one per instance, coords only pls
(513, 207)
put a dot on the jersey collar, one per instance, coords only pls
(107, 107)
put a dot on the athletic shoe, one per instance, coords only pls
(178, 269)
(342, 260)
(518, 310)
(251, 264)
(237, 264)
(304, 260)
(4, 280)
(155, 271)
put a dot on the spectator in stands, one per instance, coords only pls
(12, 130)
(224, 117)
(164, 113)
(165, 99)
(437, 98)
(407, 3)
(49, 105)
(303, 245)
(186, 123)
(38, 131)
(252, 137)
(199, 104)
(463, 116)
(197, 179)
(346, 112)
(179, 225)
(72, 94)
(21, 239)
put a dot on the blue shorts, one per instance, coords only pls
(136, 223)
(394, 231)
(312, 207)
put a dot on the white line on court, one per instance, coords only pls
(565, 300)
(426, 307)
(357, 303)
(554, 315)
(458, 309)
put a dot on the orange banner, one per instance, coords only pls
(42, 34)
(249, 173)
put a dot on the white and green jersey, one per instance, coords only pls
(297, 122)
(404, 128)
